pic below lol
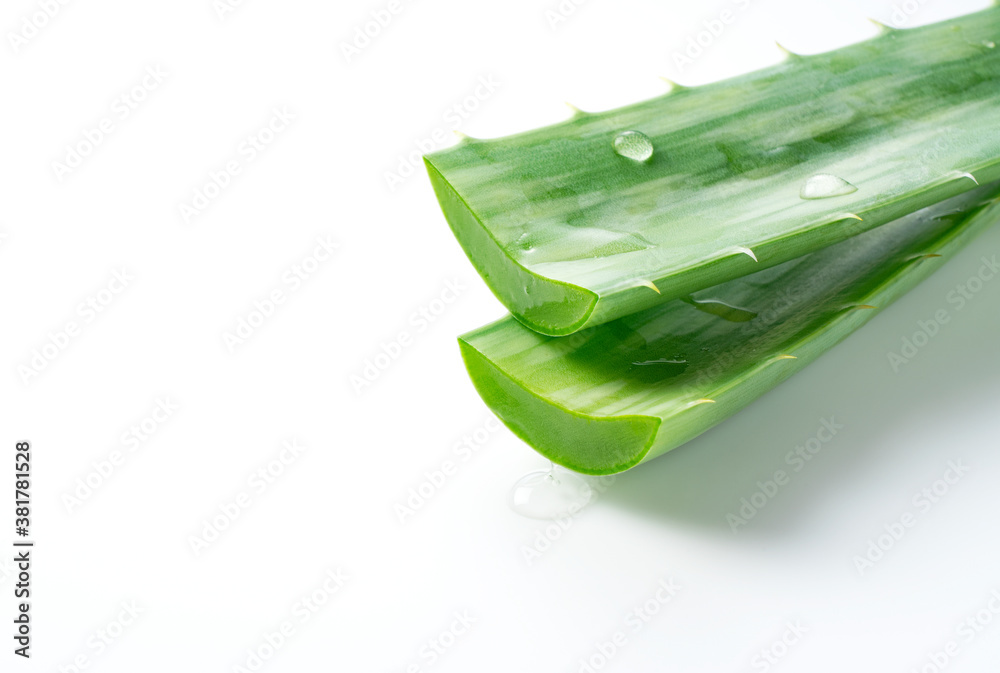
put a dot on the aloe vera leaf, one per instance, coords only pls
(613, 396)
(569, 234)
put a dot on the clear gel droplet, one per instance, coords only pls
(721, 309)
(550, 494)
(661, 361)
(633, 145)
(824, 185)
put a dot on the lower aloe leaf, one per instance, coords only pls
(611, 213)
(610, 397)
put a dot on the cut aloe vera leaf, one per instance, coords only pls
(569, 231)
(612, 396)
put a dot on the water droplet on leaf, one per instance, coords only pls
(824, 185)
(633, 145)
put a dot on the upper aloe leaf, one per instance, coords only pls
(573, 225)
(614, 395)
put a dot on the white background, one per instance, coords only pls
(193, 279)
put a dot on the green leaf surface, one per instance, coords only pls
(568, 233)
(612, 396)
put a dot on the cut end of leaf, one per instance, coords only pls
(545, 305)
(581, 442)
